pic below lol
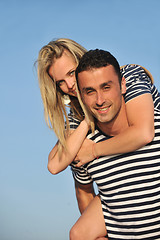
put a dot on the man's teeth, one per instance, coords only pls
(103, 109)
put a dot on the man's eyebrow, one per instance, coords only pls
(101, 86)
(106, 83)
(85, 89)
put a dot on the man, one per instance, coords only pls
(128, 183)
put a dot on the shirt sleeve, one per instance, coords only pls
(81, 174)
(137, 81)
(73, 121)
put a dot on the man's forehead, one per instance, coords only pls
(101, 75)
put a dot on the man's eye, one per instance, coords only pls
(106, 87)
(89, 92)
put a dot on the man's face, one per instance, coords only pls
(101, 92)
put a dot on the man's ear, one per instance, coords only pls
(123, 85)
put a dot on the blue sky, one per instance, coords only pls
(34, 205)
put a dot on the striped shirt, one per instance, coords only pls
(128, 184)
(138, 83)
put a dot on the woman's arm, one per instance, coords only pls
(58, 162)
(140, 113)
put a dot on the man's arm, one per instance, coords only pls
(85, 194)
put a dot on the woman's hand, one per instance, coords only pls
(86, 153)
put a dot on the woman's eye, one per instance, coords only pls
(60, 83)
(72, 73)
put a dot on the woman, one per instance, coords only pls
(56, 66)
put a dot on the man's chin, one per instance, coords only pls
(101, 119)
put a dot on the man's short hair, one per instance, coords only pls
(96, 59)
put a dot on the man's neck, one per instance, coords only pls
(117, 125)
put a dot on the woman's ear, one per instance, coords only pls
(123, 85)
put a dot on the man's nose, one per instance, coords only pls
(100, 99)
(69, 82)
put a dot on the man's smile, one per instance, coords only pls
(102, 109)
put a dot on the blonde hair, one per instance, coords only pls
(52, 96)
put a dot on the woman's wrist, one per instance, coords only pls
(94, 152)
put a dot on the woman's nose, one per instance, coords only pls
(69, 82)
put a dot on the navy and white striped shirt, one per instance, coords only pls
(128, 184)
(138, 83)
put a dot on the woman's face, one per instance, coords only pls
(63, 72)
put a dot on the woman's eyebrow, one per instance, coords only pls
(59, 80)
